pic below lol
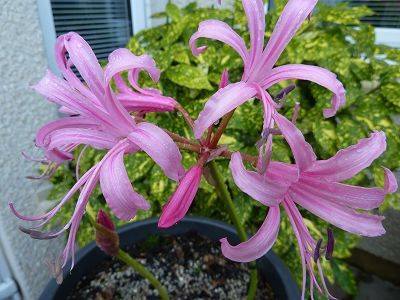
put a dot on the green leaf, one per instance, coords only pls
(173, 11)
(189, 76)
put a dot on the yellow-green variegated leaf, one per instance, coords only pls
(189, 76)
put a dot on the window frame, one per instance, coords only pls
(139, 10)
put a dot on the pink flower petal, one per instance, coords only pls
(315, 74)
(133, 101)
(254, 10)
(221, 103)
(80, 55)
(122, 60)
(94, 138)
(258, 244)
(85, 61)
(179, 203)
(44, 133)
(348, 162)
(293, 15)
(352, 196)
(117, 188)
(338, 215)
(160, 147)
(259, 187)
(218, 30)
(390, 182)
(59, 91)
(302, 151)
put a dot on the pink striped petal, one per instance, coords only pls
(44, 133)
(254, 10)
(222, 102)
(348, 162)
(259, 187)
(94, 138)
(390, 182)
(259, 244)
(338, 215)
(85, 61)
(60, 92)
(133, 101)
(160, 147)
(282, 172)
(315, 74)
(122, 59)
(302, 151)
(82, 57)
(293, 15)
(117, 189)
(220, 31)
(179, 203)
(343, 194)
(58, 156)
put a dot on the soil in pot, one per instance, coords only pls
(190, 267)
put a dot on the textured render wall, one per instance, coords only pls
(22, 62)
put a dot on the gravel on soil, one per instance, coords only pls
(189, 266)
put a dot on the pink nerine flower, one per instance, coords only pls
(314, 185)
(180, 201)
(259, 72)
(103, 123)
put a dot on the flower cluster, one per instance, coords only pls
(114, 120)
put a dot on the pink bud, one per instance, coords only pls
(107, 238)
(105, 220)
(179, 203)
(224, 79)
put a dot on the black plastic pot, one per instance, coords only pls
(270, 266)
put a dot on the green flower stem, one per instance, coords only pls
(130, 261)
(225, 196)
(138, 267)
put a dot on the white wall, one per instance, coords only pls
(22, 63)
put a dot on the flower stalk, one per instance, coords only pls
(225, 196)
(125, 257)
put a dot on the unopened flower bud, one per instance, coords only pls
(107, 238)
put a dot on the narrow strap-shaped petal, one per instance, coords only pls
(218, 30)
(348, 162)
(57, 90)
(222, 102)
(302, 151)
(390, 182)
(117, 188)
(85, 61)
(254, 10)
(133, 101)
(293, 15)
(338, 215)
(44, 133)
(179, 203)
(315, 74)
(259, 187)
(82, 57)
(94, 138)
(352, 196)
(259, 244)
(122, 60)
(160, 147)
